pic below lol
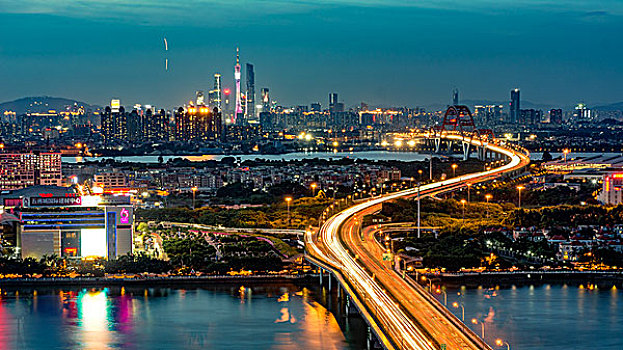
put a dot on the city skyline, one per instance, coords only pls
(339, 46)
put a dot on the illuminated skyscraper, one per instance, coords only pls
(238, 111)
(215, 93)
(332, 101)
(515, 111)
(250, 95)
(200, 99)
(455, 96)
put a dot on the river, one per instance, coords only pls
(219, 317)
(553, 317)
(370, 155)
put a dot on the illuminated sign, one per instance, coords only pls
(52, 201)
(124, 216)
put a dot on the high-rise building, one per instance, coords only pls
(227, 105)
(515, 110)
(215, 93)
(555, 116)
(316, 107)
(455, 97)
(114, 125)
(265, 100)
(198, 123)
(238, 112)
(250, 95)
(332, 101)
(582, 113)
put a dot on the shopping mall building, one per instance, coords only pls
(46, 220)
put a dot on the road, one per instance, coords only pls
(407, 316)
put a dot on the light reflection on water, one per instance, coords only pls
(227, 318)
(553, 317)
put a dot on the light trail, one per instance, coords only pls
(396, 319)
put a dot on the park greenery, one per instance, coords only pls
(303, 213)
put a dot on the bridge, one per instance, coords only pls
(400, 313)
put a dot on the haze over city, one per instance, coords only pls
(380, 52)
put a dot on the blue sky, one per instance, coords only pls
(381, 52)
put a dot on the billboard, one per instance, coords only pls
(51, 201)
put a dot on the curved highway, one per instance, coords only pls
(397, 309)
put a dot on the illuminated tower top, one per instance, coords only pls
(237, 77)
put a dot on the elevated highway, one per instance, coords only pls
(400, 312)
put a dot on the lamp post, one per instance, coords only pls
(469, 186)
(457, 305)
(463, 201)
(482, 324)
(454, 166)
(313, 187)
(288, 200)
(419, 223)
(500, 342)
(488, 197)
(194, 189)
(519, 188)
(445, 295)
(565, 152)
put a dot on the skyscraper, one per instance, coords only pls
(215, 93)
(332, 101)
(515, 110)
(265, 100)
(250, 96)
(238, 111)
(455, 97)
(200, 98)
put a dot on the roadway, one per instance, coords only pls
(397, 307)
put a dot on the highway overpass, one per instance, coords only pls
(400, 313)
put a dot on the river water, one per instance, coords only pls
(370, 155)
(553, 317)
(287, 316)
(226, 317)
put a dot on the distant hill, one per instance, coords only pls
(39, 104)
(611, 107)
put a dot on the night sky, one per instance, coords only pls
(378, 51)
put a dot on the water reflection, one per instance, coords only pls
(225, 317)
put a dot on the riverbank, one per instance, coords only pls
(169, 281)
(598, 279)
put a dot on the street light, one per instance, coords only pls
(469, 186)
(463, 201)
(194, 188)
(313, 187)
(454, 166)
(482, 324)
(488, 197)
(288, 200)
(457, 305)
(445, 295)
(565, 152)
(500, 342)
(519, 188)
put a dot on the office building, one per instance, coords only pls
(332, 102)
(114, 125)
(60, 221)
(515, 110)
(250, 95)
(215, 93)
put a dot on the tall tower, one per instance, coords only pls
(332, 101)
(250, 96)
(455, 97)
(238, 111)
(515, 110)
(215, 93)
